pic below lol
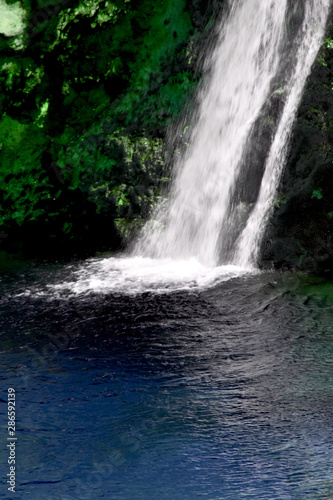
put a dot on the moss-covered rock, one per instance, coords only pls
(300, 233)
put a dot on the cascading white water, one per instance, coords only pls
(308, 43)
(242, 67)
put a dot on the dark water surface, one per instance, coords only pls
(221, 393)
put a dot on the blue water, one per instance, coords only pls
(221, 393)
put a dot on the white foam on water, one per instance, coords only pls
(135, 275)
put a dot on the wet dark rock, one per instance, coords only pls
(300, 232)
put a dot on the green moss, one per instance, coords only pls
(319, 290)
(160, 37)
(328, 43)
(327, 46)
(317, 193)
(280, 202)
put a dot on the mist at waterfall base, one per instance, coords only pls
(181, 372)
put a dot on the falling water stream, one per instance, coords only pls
(181, 372)
(247, 66)
(242, 65)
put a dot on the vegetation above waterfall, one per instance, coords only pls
(87, 91)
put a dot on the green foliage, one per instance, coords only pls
(328, 43)
(113, 169)
(280, 202)
(86, 94)
(21, 171)
(317, 193)
(317, 118)
(325, 51)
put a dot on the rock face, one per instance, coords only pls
(300, 232)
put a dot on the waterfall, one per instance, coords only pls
(209, 214)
